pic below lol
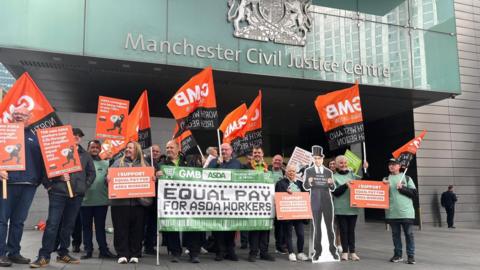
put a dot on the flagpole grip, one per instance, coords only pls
(4, 189)
(69, 188)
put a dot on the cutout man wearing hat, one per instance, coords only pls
(318, 180)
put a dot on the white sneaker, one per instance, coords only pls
(344, 256)
(122, 260)
(354, 257)
(203, 251)
(292, 257)
(187, 251)
(134, 260)
(302, 257)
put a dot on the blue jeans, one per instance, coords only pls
(60, 209)
(397, 238)
(14, 208)
(97, 214)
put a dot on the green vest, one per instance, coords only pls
(277, 175)
(342, 202)
(401, 206)
(97, 193)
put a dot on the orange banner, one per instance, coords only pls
(254, 116)
(138, 126)
(339, 108)
(293, 206)
(12, 152)
(111, 147)
(131, 182)
(410, 147)
(369, 194)
(233, 122)
(112, 118)
(59, 150)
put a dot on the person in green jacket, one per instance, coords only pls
(401, 213)
(95, 206)
(344, 214)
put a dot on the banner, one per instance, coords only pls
(250, 135)
(12, 152)
(405, 153)
(25, 93)
(369, 194)
(196, 199)
(138, 126)
(341, 116)
(353, 161)
(233, 122)
(293, 206)
(194, 105)
(110, 148)
(131, 182)
(301, 159)
(59, 151)
(112, 117)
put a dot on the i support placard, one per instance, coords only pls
(59, 151)
(131, 182)
(369, 194)
(112, 116)
(293, 206)
(12, 149)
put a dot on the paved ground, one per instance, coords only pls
(437, 249)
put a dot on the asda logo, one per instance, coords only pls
(216, 175)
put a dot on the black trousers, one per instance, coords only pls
(150, 238)
(224, 242)
(327, 211)
(77, 231)
(128, 225)
(287, 227)
(258, 240)
(172, 240)
(347, 225)
(193, 241)
(450, 216)
(280, 240)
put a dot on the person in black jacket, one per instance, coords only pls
(21, 188)
(448, 200)
(290, 184)
(64, 209)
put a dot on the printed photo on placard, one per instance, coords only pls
(112, 115)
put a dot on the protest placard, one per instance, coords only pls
(293, 206)
(112, 115)
(131, 182)
(369, 194)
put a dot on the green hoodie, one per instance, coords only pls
(401, 206)
(97, 194)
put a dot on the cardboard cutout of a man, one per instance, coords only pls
(318, 180)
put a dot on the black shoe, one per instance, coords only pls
(67, 259)
(252, 258)
(335, 256)
(281, 251)
(411, 260)
(39, 262)
(174, 259)
(219, 257)
(316, 256)
(396, 259)
(5, 262)
(150, 251)
(244, 246)
(107, 255)
(267, 257)
(452, 227)
(87, 256)
(75, 249)
(194, 259)
(232, 257)
(19, 259)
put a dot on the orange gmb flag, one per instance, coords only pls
(25, 93)
(12, 149)
(233, 122)
(194, 105)
(112, 118)
(250, 135)
(341, 116)
(405, 153)
(111, 147)
(185, 139)
(138, 125)
(59, 150)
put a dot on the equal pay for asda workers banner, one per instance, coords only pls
(195, 199)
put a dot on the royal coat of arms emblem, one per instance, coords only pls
(280, 21)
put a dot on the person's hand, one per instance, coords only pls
(365, 164)
(3, 175)
(310, 180)
(289, 190)
(66, 177)
(330, 181)
(385, 181)
(349, 183)
(159, 173)
(219, 160)
(400, 185)
(108, 155)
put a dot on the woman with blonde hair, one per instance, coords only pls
(128, 214)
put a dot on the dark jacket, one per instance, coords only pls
(181, 163)
(231, 164)
(127, 163)
(448, 199)
(35, 172)
(283, 184)
(80, 181)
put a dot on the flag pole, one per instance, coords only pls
(364, 156)
(69, 188)
(219, 144)
(200, 151)
(4, 188)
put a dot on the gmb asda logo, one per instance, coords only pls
(216, 175)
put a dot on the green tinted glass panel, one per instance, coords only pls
(389, 12)
(433, 15)
(39, 24)
(343, 8)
